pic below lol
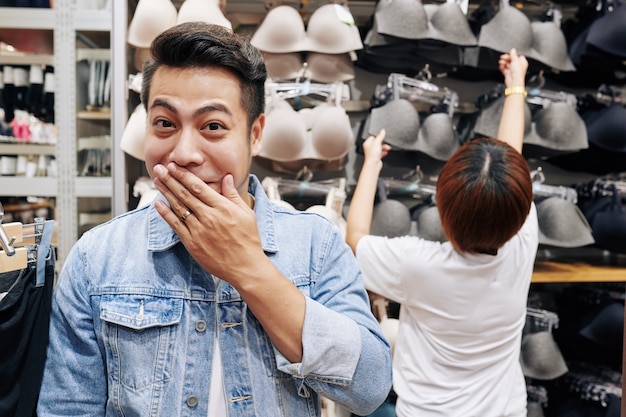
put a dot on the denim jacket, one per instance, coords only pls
(135, 320)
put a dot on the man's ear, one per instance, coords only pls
(256, 134)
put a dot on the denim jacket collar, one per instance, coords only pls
(162, 237)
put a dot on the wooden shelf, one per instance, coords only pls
(579, 265)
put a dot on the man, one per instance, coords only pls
(212, 300)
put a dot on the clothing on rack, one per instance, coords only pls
(25, 303)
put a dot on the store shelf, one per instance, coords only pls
(93, 187)
(26, 59)
(562, 272)
(94, 115)
(103, 54)
(24, 187)
(26, 149)
(92, 20)
(588, 264)
(27, 18)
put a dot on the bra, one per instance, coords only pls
(542, 41)
(150, 19)
(391, 218)
(134, 135)
(291, 135)
(203, 10)
(330, 30)
(562, 224)
(435, 136)
(428, 223)
(155, 16)
(556, 128)
(607, 127)
(607, 32)
(323, 68)
(410, 19)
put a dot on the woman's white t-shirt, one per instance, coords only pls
(461, 320)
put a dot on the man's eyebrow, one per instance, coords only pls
(211, 108)
(163, 103)
(198, 112)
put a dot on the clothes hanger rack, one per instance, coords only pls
(20, 249)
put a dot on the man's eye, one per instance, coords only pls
(163, 123)
(214, 126)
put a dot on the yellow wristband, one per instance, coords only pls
(515, 90)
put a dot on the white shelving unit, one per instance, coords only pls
(65, 22)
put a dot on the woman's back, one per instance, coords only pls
(457, 351)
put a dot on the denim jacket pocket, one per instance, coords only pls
(139, 334)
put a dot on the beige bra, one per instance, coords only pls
(331, 30)
(323, 133)
(315, 66)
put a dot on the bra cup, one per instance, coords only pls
(390, 218)
(134, 135)
(284, 136)
(561, 223)
(607, 127)
(509, 28)
(450, 25)
(150, 19)
(437, 137)
(326, 33)
(204, 11)
(550, 47)
(281, 31)
(327, 68)
(402, 18)
(400, 120)
(282, 66)
(332, 135)
(560, 127)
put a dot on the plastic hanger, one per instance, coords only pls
(420, 89)
(331, 92)
(409, 184)
(542, 320)
(543, 97)
(545, 190)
